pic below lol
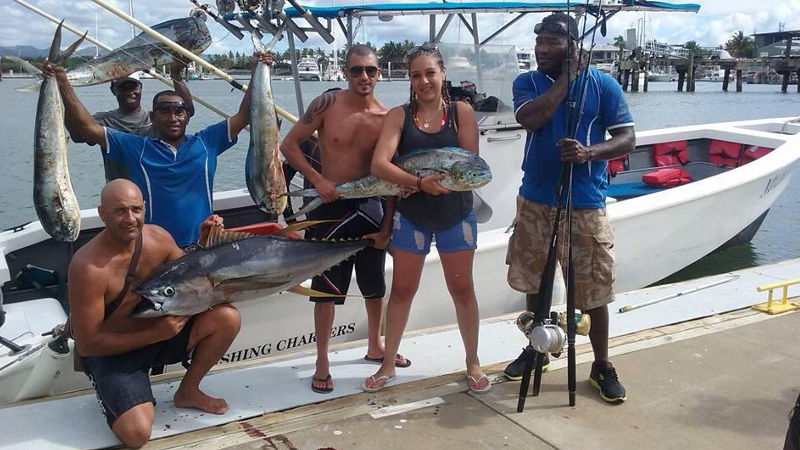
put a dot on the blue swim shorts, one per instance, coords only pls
(411, 238)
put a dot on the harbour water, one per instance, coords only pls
(661, 107)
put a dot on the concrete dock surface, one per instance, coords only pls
(726, 381)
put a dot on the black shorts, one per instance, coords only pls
(355, 218)
(123, 381)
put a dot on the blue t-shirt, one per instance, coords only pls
(604, 108)
(177, 186)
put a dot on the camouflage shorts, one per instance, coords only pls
(592, 252)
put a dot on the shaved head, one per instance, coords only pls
(119, 189)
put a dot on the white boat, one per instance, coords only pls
(659, 76)
(308, 69)
(659, 231)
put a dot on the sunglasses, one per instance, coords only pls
(172, 107)
(554, 28)
(356, 71)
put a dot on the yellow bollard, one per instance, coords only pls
(774, 307)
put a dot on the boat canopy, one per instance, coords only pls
(400, 9)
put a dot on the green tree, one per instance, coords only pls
(740, 46)
(619, 42)
(696, 50)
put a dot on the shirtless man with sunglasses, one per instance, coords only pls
(348, 123)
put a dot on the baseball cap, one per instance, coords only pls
(124, 81)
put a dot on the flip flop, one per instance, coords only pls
(321, 390)
(396, 362)
(387, 380)
(475, 384)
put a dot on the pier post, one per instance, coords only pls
(798, 80)
(738, 80)
(681, 77)
(625, 78)
(635, 81)
(646, 74)
(725, 80)
(690, 74)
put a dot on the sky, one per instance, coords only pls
(712, 26)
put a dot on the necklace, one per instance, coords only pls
(426, 122)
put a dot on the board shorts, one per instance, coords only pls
(592, 251)
(354, 218)
(409, 237)
(123, 381)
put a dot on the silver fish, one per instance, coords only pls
(209, 276)
(53, 197)
(263, 168)
(462, 170)
(140, 53)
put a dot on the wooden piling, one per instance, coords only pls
(690, 73)
(646, 74)
(798, 80)
(625, 78)
(738, 80)
(725, 80)
(635, 81)
(681, 77)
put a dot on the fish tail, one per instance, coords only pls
(259, 46)
(55, 46)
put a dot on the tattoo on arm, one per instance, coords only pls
(318, 106)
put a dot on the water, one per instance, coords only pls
(661, 107)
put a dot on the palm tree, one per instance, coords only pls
(740, 46)
(619, 42)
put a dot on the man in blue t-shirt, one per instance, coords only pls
(540, 105)
(175, 172)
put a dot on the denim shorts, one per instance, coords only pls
(411, 238)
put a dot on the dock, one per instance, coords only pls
(702, 369)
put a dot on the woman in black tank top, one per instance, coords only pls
(431, 212)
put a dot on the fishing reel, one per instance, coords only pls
(226, 6)
(550, 335)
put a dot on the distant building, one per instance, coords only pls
(773, 44)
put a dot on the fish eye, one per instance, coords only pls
(168, 291)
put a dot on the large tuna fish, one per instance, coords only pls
(141, 52)
(263, 168)
(53, 197)
(209, 276)
(462, 170)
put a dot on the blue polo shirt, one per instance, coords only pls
(604, 108)
(177, 185)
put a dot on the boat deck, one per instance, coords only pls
(728, 376)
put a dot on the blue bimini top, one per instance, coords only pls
(604, 108)
(177, 185)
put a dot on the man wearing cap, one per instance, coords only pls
(540, 105)
(175, 172)
(131, 118)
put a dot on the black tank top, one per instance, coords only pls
(432, 212)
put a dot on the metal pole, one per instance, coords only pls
(295, 72)
(182, 51)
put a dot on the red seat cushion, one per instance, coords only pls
(670, 153)
(668, 177)
(617, 165)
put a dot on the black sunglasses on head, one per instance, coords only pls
(555, 28)
(173, 107)
(356, 71)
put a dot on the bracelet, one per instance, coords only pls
(419, 183)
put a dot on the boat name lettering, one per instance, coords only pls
(283, 345)
(774, 181)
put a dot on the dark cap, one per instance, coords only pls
(558, 23)
(123, 81)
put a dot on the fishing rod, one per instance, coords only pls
(186, 53)
(94, 41)
(544, 335)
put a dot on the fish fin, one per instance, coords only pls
(218, 235)
(297, 226)
(259, 46)
(55, 46)
(71, 49)
(312, 205)
(308, 292)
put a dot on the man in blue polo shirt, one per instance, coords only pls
(175, 172)
(540, 105)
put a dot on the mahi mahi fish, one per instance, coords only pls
(210, 276)
(140, 53)
(462, 170)
(53, 197)
(263, 168)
